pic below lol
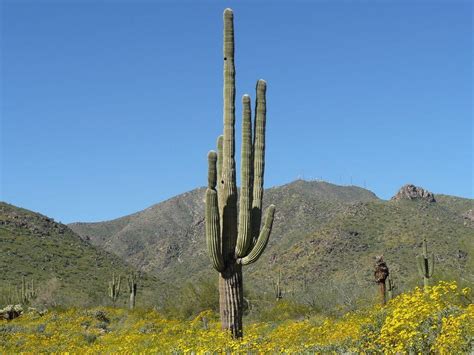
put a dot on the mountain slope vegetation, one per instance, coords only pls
(65, 268)
(324, 240)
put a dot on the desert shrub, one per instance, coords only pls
(192, 299)
(284, 310)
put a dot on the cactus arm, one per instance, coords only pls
(131, 280)
(212, 170)
(259, 156)
(213, 230)
(425, 248)
(430, 270)
(220, 152)
(213, 235)
(244, 238)
(262, 240)
(23, 289)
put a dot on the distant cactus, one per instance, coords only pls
(132, 288)
(304, 283)
(27, 291)
(114, 288)
(277, 287)
(425, 264)
(390, 286)
(381, 273)
(235, 239)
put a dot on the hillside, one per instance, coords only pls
(65, 268)
(325, 238)
(169, 234)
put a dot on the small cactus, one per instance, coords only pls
(425, 264)
(390, 286)
(114, 288)
(304, 284)
(277, 287)
(132, 288)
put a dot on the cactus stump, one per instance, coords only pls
(381, 273)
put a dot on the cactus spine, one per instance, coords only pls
(132, 288)
(425, 264)
(235, 239)
(114, 288)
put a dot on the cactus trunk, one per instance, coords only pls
(234, 237)
(231, 299)
(390, 287)
(383, 299)
(132, 288)
(381, 273)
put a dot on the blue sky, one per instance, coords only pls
(108, 107)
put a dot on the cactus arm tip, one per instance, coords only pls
(212, 169)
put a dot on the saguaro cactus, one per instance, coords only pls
(277, 287)
(114, 288)
(132, 288)
(381, 273)
(390, 286)
(27, 291)
(425, 264)
(235, 239)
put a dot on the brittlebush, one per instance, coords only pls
(440, 320)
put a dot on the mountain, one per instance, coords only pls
(170, 233)
(324, 237)
(65, 268)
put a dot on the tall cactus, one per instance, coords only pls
(425, 264)
(132, 288)
(114, 288)
(235, 239)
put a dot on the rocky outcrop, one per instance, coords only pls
(469, 215)
(11, 312)
(412, 192)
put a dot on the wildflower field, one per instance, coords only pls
(440, 320)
